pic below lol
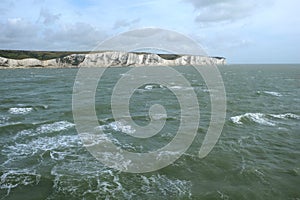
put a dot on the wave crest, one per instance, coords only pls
(263, 119)
(18, 111)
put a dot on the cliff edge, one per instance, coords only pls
(112, 59)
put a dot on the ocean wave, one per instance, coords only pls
(173, 87)
(119, 126)
(80, 183)
(93, 140)
(148, 87)
(41, 145)
(55, 127)
(159, 116)
(176, 87)
(259, 118)
(20, 111)
(14, 178)
(166, 186)
(45, 128)
(37, 107)
(276, 94)
(152, 86)
(285, 116)
(3, 119)
(96, 139)
(166, 155)
(264, 119)
(77, 179)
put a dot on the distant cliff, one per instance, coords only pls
(112, 59)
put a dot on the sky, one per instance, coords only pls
(242, 31)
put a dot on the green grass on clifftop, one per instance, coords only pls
(46, 55)
(41, 55)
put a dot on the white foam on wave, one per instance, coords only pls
(205, 90)
(166, 155)
(55, 127)
(96, 139)
(264, 119)
(285, 116)
(164, 186)
(120, 126)
(14, 178)
(42, 144)
(18, 111)
(148, 87)
(103, 139)
(159, 116)
(259, 118)
(237, 119)
(59, 146)
(80, 183)
(3, 119)
(79, 179)
(46, 128)
(176, 87)
(276, 94)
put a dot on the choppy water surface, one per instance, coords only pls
(256, 157)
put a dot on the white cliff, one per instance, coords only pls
(113, 59)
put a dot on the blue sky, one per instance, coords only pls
(242, 31)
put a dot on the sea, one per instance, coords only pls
(257, 155)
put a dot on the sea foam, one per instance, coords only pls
(45, 128)
(272, 93)
(259, 118)
(18, 111)
(285, 116)
(264, 119)
(55, 127)
(14, 178)
(3, 119)
(276, 94)
(119, 126)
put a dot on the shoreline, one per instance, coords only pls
(111, 59)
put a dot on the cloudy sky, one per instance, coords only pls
(243, 31)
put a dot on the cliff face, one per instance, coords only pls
(112, 59)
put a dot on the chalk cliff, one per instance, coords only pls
(113, 59)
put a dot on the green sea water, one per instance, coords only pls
(256, 157)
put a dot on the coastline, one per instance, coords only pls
(109, 59)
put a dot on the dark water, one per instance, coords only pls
(256, 157)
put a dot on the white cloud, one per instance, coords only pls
(47, 17)
(125, 23)
(5, 6)
(77, 36)
(17, 33)
(16, 30)
(215, 11)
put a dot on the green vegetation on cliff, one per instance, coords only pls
(47, 55)
(41, 55)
